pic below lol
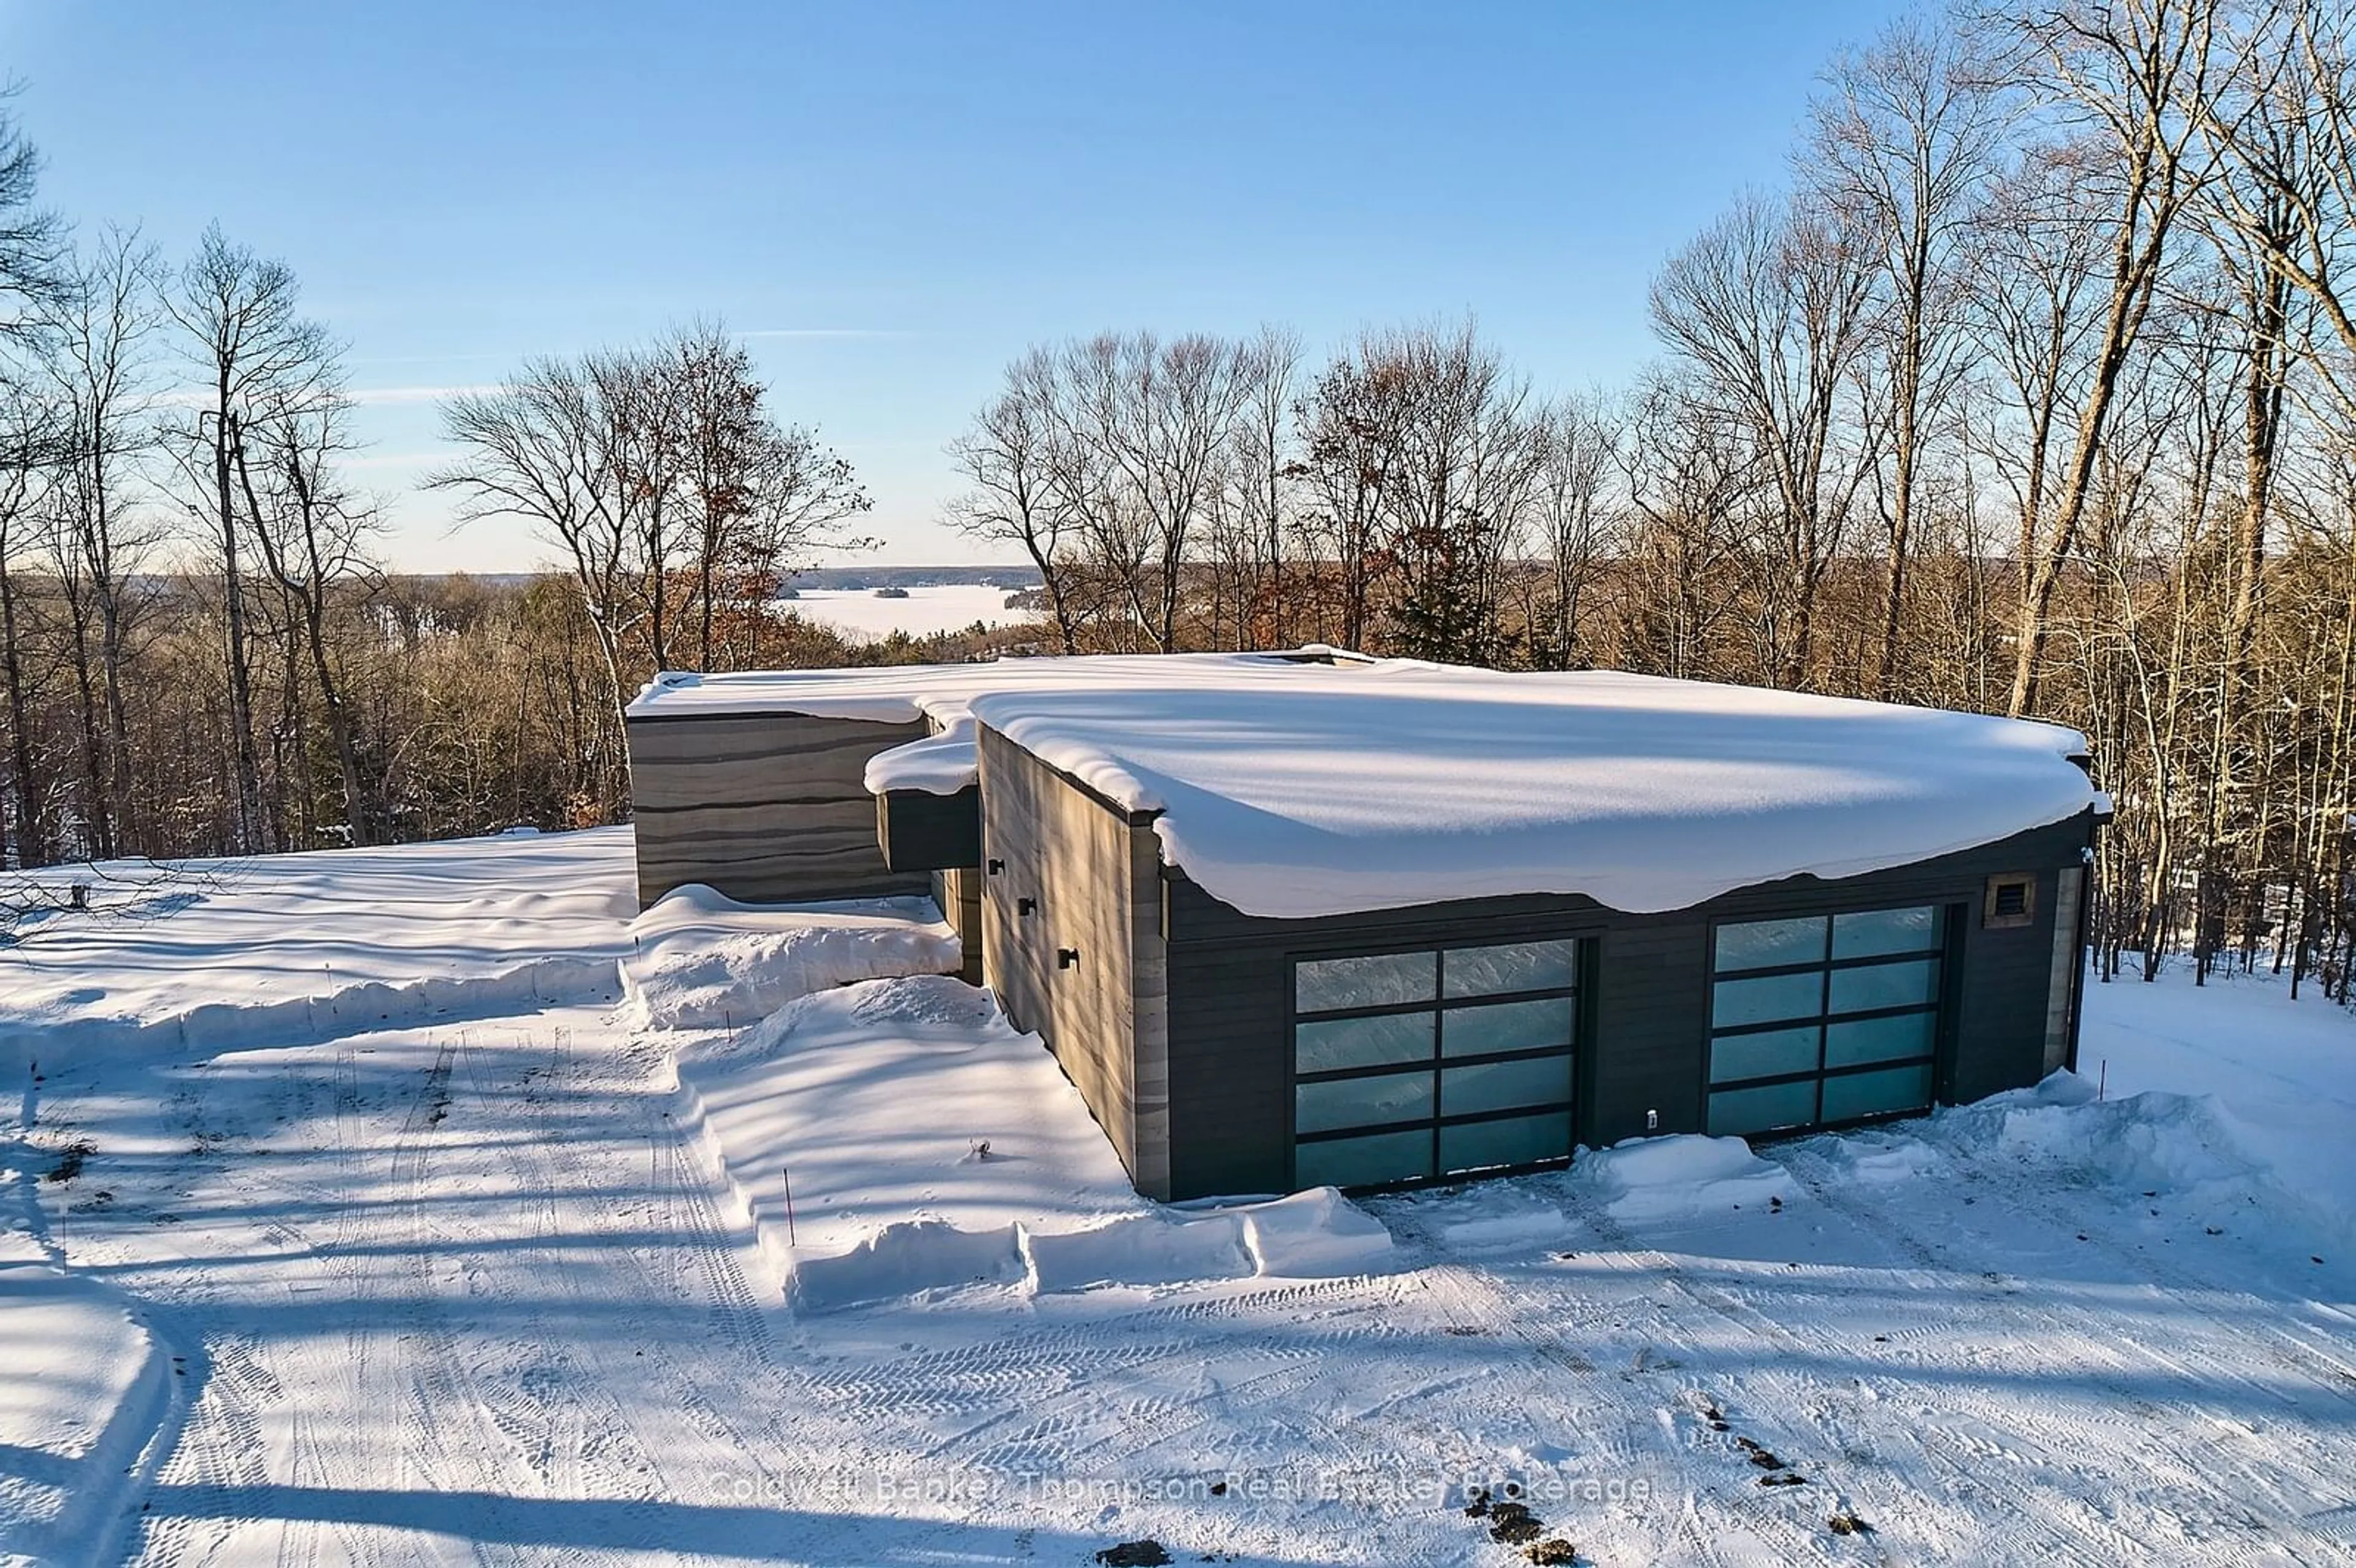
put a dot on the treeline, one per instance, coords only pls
(200, 653)
(2032, 392)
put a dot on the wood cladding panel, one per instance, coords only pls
(765, 807)
(1071, 942)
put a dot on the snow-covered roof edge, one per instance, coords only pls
(900, 694)
(1939, 783)
(943, 763)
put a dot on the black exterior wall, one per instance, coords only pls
(1645, 1003)
(919, 831)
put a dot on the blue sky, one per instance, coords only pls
(893, 201)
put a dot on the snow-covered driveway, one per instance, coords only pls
(465, 1293)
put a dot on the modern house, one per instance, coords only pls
(1292, 919)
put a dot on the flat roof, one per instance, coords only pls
(900, 694)
(1409, 784)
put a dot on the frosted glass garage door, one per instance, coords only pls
(1824, 1019)
(1442, 1061)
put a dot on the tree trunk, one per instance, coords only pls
(32, 802)
(245, 763)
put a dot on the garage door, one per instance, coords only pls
(1408, 1066)
(1823, 1019)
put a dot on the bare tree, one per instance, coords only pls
(1350, 425)
(1262, 465)
(1769, 305)
(1689, 466)
(1579, 439)
(1006, 458)
(676, 500)
(28, 442)
(311, 531)
(1141, 451)
(237, 312)
(101, 335)
(539, 449)
(1900, 141)
(31, 240)
(2123, 72)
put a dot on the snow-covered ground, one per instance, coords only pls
(219, 953)
(495, 1278)
(951, 607)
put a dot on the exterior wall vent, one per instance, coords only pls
(2011, 902)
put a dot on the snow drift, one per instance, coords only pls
(201, 956)
(699, 959)
(1685, 1175)
(899, 1138)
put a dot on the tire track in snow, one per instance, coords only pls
(2024, 1530)
(2035, 1521)
(680, 1208)
(530, 1385)
(2111, 1363)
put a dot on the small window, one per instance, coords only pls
(2011, 902)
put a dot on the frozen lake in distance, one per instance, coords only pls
(948, 608)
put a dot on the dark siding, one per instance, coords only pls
(1652, 1028)
(1230, 1078)
(2007, 976)
(920, 831)
(1229, 1058)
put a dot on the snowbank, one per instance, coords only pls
(2154, 1140)
(2282, 1074)
(699, 959)
(1644, 794)
(871, 1104)
(1317, 1235)
(1142, 1249)
(907, 1257)
(205, 954)
(1683, 1175)
(899, 1138)
(2193, 1146)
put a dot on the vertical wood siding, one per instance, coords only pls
(959, 894)
(1093, 879)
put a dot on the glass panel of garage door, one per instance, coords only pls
(1409, 1065)
(1823, 1019)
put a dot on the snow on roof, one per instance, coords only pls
(1644, 794)
(900, 694)
(943, 763)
